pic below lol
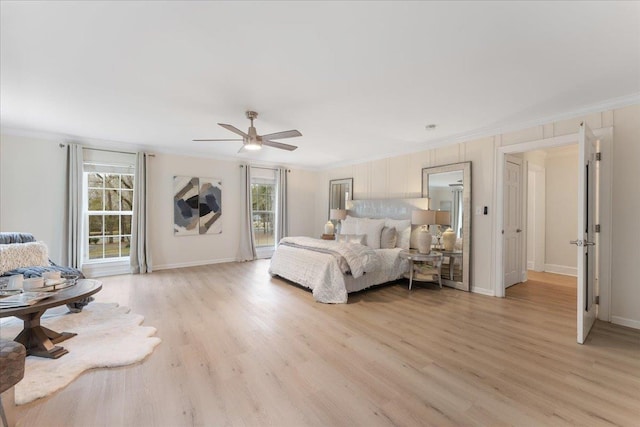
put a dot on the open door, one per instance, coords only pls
(588, 188)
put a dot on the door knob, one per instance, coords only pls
(576, 242)
(588, 243)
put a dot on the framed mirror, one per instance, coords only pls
(448, 188)
(340, 190)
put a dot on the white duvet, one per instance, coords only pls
(321, 272)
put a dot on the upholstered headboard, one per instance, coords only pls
(386, 208)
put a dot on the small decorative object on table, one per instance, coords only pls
(328, 228)
(449, 239)
(328, 237)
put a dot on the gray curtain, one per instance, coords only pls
(282, 221)
(140, 254)
(247, 247)
(75, 222)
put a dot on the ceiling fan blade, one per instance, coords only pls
(278, 145)
(281, 135)
(234, 130)
(199, 140)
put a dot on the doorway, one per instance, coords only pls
(605, 135)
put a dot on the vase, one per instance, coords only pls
(449, 239)
(424, 241)
(328, 228)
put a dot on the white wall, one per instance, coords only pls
(32, 199)
(32, 190)
(561, 207)
(625, 294)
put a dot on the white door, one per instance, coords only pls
(512, 222)
(588, 189)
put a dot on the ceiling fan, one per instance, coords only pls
(252, 141)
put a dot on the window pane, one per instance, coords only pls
(111, 247)
(95, 225)
(125, 245)
(264, 233)
(127, 182)
(95, 248)
(126, 200)
(95, 180)
(95, 200)
(111, 225)
(112, 180)
(126, 224)
(112, 200)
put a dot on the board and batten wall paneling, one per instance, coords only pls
(625, 292)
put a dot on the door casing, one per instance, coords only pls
(604, 282)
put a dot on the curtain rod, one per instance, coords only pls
(262, 167)
(108, 151)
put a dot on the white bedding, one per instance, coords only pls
(321, 273)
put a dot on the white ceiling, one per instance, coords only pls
(360, 80)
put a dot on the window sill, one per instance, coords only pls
(100, 268)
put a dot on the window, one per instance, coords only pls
(109, 214)
(263, 208)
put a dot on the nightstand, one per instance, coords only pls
(328, 237)
(423, 267)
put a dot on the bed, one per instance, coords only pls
(359, 258)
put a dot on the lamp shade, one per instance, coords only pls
(443, 218)
(338, 214)
(423, 217)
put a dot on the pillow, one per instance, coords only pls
(403, 231)
(372, 228)
(388, 238)
(348, 226)
(17, 255)
(350, 238)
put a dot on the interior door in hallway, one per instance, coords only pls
(512, 221)
(586, 242)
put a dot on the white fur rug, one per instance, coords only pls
(108, 336)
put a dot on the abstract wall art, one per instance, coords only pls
(197, 206)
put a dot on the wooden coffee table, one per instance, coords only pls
(38, 340)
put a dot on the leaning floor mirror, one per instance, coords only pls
(448, 188)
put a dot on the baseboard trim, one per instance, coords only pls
(530, 265)
(561, 269)
(117, 268)
(483, 291)
(635, 324)
(192, 264)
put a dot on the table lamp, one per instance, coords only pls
(337, 215)
(423, 218)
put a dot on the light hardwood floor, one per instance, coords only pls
(240, 348)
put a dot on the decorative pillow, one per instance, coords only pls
(372, 228)
(19, 255)
(403, 231)
(350, 238)
(348, 226)
(388, 238)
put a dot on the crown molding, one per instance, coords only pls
(492, 131)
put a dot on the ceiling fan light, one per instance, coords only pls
(253, 146)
